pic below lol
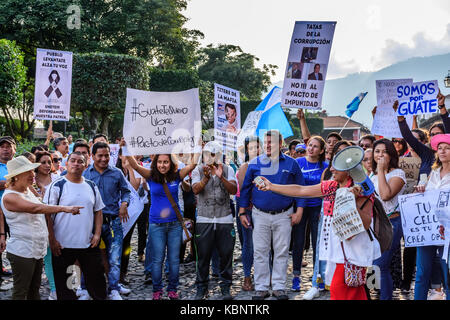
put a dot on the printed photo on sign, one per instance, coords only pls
(306, 67)
(227, 116)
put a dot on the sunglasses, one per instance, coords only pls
(396, 141)
(365, 145)
(57, 160)
(433, 134)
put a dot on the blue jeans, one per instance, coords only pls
(247, 242)
(384, 262)
(319, 266)
(311, 215)
(165, 235)
(424, 261)
(112, 235)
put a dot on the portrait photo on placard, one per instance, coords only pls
(295, 70)
(309, 54)
(316, 71)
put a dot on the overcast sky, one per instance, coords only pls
(369, 35)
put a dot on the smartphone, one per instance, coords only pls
(259, 181)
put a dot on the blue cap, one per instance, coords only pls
(300, 147)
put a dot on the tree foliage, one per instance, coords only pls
(230, 66)
(16, 96)
(99, 83)
(150, 29)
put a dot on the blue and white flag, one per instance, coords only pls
(267, 115)
(354, 105)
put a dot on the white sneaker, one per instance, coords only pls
(81, 292)
(436, 295)
(52, 296)
(311, 294)
(85, 296)
(114, 295)
(123, 290)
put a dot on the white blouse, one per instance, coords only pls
(390, 205)
(29, 234)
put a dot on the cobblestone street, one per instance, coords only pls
(187, 290)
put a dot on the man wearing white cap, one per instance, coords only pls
(213, 182)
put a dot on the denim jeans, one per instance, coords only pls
(319, 266)
(112, 235)
(247, 241)
(165, 235)
(384, 261)
(311, 215)
(424, 262)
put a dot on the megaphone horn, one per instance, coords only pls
(349, 159)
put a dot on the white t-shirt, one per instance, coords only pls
(390, 205)
(74, 231)
(230, 177)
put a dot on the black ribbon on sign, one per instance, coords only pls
(50, 88)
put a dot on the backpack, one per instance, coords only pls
(382, 227)
(60, 184)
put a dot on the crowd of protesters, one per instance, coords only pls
(66, 208)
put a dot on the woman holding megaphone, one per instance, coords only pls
(359, 249)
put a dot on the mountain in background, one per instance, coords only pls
(338, 93)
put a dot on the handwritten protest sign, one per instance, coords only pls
(411, 167)
(385, 121)
(307, 64)
(346, 219)
(161, 122)
(53, 85)
(419, 222)
(227, 116)
(417, 98)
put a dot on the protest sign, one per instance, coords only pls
(385, 122)
(417, 98)
(227, 116)
(249, 127)
(411, 167)
(419, 221)
(135, 207)
(161, 122)
(346, 219)
(307, 64)
(53, 85)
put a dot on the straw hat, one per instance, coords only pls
(19, 165)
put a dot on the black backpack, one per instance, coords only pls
(382, 227)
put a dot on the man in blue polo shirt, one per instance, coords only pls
(7, 151)
(272, 214)
(113, 187)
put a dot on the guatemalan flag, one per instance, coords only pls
(354, 105)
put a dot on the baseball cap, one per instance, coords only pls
(300, 147)
(8, 139)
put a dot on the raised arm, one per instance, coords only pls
(443, 112)
(144, 172)
(303, 125)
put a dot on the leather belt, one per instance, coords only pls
(274, 211)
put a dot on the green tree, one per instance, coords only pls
(15, 95)
(99, 83)
(151, 29)
(230, 66)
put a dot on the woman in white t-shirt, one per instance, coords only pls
(24, 214)
(439, 180)
(390, 182)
